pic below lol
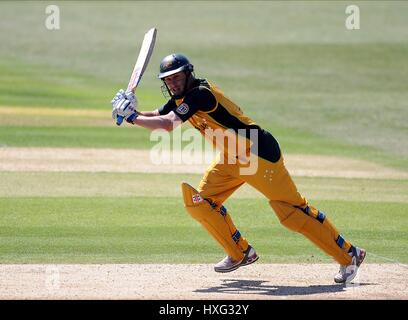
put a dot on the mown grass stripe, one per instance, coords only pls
(147, 229)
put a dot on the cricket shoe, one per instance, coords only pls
(228, 264)
(348, 272)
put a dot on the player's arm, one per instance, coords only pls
(166, 122)
(162, 118)
(164, 109)
(171, 115)
(153, 113)
(124, 104)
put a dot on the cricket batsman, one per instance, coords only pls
(259, 162)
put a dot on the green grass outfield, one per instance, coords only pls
(292, 66)
(107, 218)
(157, 230)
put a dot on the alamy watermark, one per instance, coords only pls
(52, 20)
(238, 147)
(353, 19)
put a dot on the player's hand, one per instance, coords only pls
(128, 95)
(124, 106)
(132, 98)
(122, 109)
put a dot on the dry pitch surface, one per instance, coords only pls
(199, 281)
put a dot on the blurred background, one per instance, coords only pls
(293, 66)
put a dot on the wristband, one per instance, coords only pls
(132, 118)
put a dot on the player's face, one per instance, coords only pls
(176, 82)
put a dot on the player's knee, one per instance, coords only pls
(288, 215)
(198, 206)
(194, 203)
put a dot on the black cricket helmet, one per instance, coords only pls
(174, 63)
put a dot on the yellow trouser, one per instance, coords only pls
(273, 180)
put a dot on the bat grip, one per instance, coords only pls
(119, 120)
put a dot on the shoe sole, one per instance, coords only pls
(248, 262)
(339, 281)
(226, 270)
(242, 264)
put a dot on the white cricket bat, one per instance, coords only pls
(141, 63)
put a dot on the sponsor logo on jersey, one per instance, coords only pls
(197, 198)
(182, 108)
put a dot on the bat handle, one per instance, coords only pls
(119, 120)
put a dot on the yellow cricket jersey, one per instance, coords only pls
(207, 108)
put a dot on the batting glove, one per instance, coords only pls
(122, 109)
(129, 95)
(124, 106)
(119, 95)
(132, 98)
